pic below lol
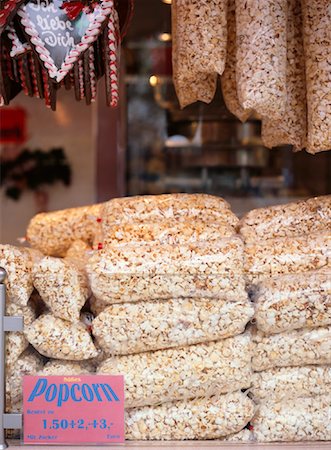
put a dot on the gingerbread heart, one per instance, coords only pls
(58, 40)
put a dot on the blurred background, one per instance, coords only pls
(83, 154)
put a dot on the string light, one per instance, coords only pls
(165, 37)
(153, 80)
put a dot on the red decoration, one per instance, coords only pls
(73, 9)
(7, 11)
(12, 126)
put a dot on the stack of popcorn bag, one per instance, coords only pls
(164, 278)
(49, 292)
(157, 288)
(22, 301)
(171, 308)
(288, 269)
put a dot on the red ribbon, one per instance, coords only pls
(73, 8)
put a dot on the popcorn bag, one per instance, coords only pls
(132, 273)
(54, 232)
(292, 219)
(261, 56)
(292, 302)
(62, 286)
(294, 348)
(210, 418)
(60, 339)
(18, 264)
(199, 370)
(229, 77)
(204, 25)
(280, 256)
(143, 326)
(291, 128)
(306, 419)
(284, 383)
(317, 45)
(191, 84)
(156, 208)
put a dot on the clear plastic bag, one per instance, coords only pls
(229, 79)
(204, 418)
(131, 273)
(203, 25)
(280, 256)
(53, 232)
(291, 302)
(317, 46)
(291, 128)
(294, 348)
(292, 219)
(18, 264)
(167, 231)
(62, 286)
(60, 339)
(29, 363)
(261, 56)
(138, 327)
(304, 419)
(16, 342)
(183, 373)
(66, 368)
(284, 383)
(156, 208)
(191, 84)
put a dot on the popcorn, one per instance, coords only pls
(291, 128)
(261, 56)
(289, 220)
(317, 45)
(131, 273)
(304, 419)
(284, 383)
(27, 312)
(201, 28)
(156, 208)
(62, 285)
(204, 418)
(190, 84)
(16, 343)
(265, 259)
(228, 79)
(184, 373)
(138, 327)
(29, 363)
(295, 348)
(168, 231)
(53, 232)
(66, 368)
(18, 264)
(56, 338)
(291, 302)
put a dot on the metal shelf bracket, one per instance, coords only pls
(13, 421)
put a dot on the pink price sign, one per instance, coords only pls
(73, 409)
